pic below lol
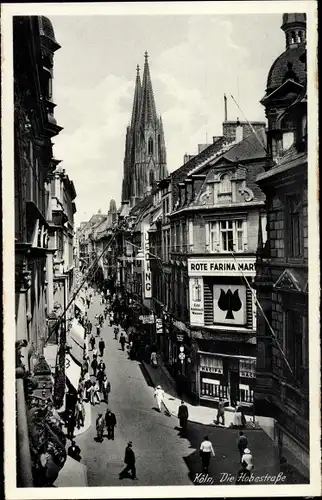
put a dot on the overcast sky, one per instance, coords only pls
(193, 60)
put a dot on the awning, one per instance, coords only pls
(72, 371)
(79, 304)
(77, 332)
(50, 353)
(72, 474)
(76, 342)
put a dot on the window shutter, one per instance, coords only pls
(208, 247)
(245, 235)
(216, 241)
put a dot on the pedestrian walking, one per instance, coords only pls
(101, 320)
(98, 330)
(94, 394)
(206, 450)
(92, 341)
(153, 359)
(106, 389)
(100, 375)
(159, 395)
(100, 424)
(122, 340)
(101, 346)
(242, 444)
(116, 332)
(80, 413)
(243, 475)
(183, 416)
(112, 318)
(88, 385)
(221, 412)
(95, 352)
(129, 460)
(74, 451)
(110, 421)
(89, 328)
(94, 366)
(70, 424)
(247, 458)
(88, 302)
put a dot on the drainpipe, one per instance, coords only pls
(24, 472)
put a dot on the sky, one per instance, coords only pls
(193, 61)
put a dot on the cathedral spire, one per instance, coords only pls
(137, 98)
(148, 111)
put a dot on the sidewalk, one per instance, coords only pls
(198, 414)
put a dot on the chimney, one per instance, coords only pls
(187, 158)
(216, 138)
(239, 131)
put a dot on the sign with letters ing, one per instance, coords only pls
(146, 263)
(222, 266)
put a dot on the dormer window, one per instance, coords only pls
(225, 184)
(288, 132)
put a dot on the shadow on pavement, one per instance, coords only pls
(224, 466)
(146, 376)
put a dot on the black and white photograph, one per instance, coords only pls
(160, 249)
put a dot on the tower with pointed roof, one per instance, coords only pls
(145, 152)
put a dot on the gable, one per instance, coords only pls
(291, 280)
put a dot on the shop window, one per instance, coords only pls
(213, 388)
(294, 226)
(246, 394)
(211, 364)
(247, 368)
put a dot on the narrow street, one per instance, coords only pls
(162, 456)
(159, 451)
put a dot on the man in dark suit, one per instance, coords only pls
(183, 416)
(110, 421)
(74, 451)
(129, 460)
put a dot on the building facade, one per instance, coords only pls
(34, 45)
(282, 388)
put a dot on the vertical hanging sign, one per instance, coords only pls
(146, 262)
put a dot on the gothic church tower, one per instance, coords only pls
(145, 152)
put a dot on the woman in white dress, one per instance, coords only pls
(159, 395)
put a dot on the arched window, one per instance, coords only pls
(300, 37)
(293, 37)
(225, 184)
(150, 146)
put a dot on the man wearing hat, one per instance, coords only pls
(129, 460)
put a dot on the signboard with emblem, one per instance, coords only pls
(230, 304)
